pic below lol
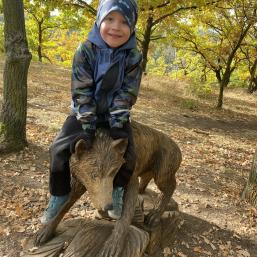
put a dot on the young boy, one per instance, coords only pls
(106, 76)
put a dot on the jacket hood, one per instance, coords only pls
(128, 8)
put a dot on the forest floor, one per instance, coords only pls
(217, 147)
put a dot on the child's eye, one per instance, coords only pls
(124, 22)
(109, 18)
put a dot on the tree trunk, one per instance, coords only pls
(40, 40)
(223, 82)
(250, 190)
(204, 75)
(252, 85)
(146, 41)
(253, 79)
(220, 98)
(14, 108)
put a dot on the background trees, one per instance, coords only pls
(51, 27)
(207, 42)
(216, 35)
(155, 21)
(249, 51)
(215, 39)
(40, 20)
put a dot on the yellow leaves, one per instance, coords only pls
(157, 67)
(198, 249)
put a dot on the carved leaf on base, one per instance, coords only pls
(78, 238)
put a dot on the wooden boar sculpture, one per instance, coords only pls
(158, 157)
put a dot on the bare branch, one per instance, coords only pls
(46, 57)
(195, 49)
(156, 37)
(28, 11)
(50, 27)
(139, 40)
(172, 13)
(82, 4)
(181, 9)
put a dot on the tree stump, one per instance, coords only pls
(86, 237)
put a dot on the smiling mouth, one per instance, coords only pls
(115, 36)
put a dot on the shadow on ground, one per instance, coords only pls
(197, 237)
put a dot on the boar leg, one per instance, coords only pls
(144, 181)
(114, 245)
(166, 185)
(47, 231)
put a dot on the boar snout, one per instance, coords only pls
(101, 193)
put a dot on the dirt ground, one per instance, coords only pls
(217, 149)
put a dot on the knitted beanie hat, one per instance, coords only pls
(128, 8)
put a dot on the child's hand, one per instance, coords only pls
(87, 136)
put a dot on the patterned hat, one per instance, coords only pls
(128, 8)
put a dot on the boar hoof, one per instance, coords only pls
(152, 220)
(43, 235)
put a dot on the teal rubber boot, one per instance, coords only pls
(54, 205)
(117, 202)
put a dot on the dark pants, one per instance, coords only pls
(60, 155)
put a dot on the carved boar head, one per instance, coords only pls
(97, 167)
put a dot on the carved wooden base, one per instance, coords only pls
(86, 237)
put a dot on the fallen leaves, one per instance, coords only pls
(180, 254)
(166, 252)
(19, 228)
(208, 242)
(215, 165)
(200, 250)
(243, 253)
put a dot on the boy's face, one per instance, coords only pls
(114, 29)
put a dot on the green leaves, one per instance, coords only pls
(55, 29)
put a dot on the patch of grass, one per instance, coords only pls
(164, 87)
(190, 104)
(2, 128)
(201, 90)
(238, 84)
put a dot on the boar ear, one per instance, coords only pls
(120, 145)
(80, 148)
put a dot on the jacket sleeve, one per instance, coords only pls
(126, 96)
(83, 87)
